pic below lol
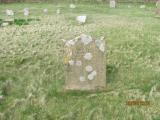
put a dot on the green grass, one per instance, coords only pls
(32, 70)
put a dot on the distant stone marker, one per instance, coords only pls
(81, 19)
(9, 18)
(72, 6)
(112, 3)
(26, 11)
(85, 64)
(45, 11)
(9, 12)
(58, 11)
(142, 6)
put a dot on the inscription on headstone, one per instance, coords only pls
(85, 63)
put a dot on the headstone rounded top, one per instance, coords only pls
(85, 39)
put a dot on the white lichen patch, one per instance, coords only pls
(94, 73)
(102, 47)
(88, 56)
(70, 43)
(71, 62)
(90, 77)
(100, 44)
(78, 63)
(85, 39)
(89, 68)
(82, 78)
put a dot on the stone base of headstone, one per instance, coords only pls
(85, 62)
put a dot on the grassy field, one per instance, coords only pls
(32, 70)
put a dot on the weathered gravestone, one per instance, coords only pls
(112, 3)
(85, 64)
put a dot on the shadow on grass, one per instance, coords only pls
(111, 73)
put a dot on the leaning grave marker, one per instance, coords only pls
(85, 64)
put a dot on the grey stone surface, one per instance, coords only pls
(85, 64)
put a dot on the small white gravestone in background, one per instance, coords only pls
(45, 11)
(81, 19)
(26, 11)
(9, 12)
(142, 6)
(72, 6)
(9, 18)
(85, 63)
(58, 11)
(129, 6)
(112, 4)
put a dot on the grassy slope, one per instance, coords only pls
(32, 71)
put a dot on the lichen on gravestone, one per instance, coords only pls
(85, 63)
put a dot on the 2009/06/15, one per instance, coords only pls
(137, 102)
